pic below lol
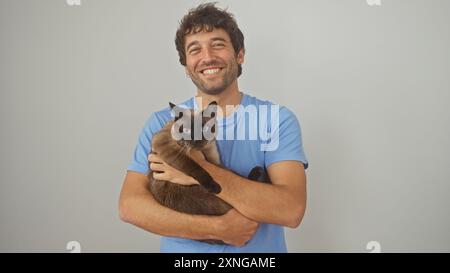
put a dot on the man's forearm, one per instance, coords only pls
(276, 204)
(145, 212)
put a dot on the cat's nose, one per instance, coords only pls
(198, 143)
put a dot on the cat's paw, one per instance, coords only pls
(258, 174)
(213, 187)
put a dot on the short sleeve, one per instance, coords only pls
(139, 161)
(288, 138)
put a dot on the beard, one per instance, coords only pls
(219, 84)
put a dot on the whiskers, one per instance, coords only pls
(185, 149)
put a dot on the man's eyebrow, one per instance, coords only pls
(218, 39)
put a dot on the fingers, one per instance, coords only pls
(160, 176)
(152, 157)
(157, 167)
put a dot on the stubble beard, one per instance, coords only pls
(226, 80)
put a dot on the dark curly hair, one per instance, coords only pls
(207, 17)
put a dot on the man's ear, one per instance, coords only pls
(187, 72)
(240, 56)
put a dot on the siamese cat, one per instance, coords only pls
(172, 143)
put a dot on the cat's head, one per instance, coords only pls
(194, 129)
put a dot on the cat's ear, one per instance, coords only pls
(177, 110)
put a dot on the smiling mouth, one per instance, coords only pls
(211, 71)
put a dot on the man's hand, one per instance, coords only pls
(163, 171)
(236, 229)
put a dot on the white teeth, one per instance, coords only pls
(211, 71)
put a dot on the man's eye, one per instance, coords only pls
(193, 51)
(219, 45)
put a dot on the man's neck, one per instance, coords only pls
(230, 96)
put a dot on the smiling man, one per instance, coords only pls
(215, 75)
(211, 47)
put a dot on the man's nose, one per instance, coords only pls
(207, 54)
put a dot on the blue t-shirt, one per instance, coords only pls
(258, 133)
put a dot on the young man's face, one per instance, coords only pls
(211, 62)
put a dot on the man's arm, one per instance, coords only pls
(283, 202)
(138, 207)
